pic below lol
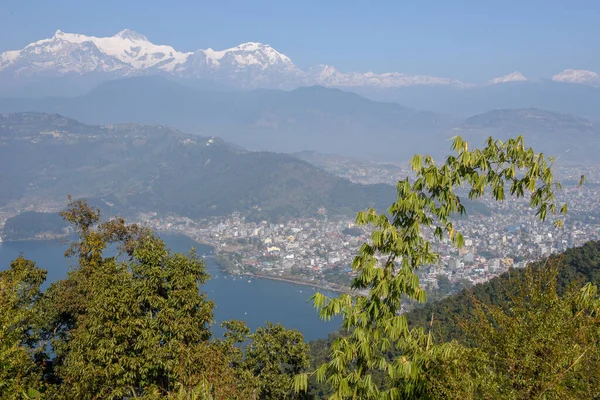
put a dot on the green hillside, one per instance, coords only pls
(156, 168)
(577, 266)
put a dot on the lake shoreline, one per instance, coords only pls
(217, 256)
(219, 261)
(299, 282)
(254, 303)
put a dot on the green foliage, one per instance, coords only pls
(275, 355)
(19, 294)
(543, 346)
(576, 266)
(133, 325)
(122, 327)
(29, 224)
(386, 266)
(272, 356)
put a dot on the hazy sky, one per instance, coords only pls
(467, 40)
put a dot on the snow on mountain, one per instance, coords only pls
(328, 75)
(247, 65)
(129, 53)
(136, 50)
(512, 77)
(251, 53)
(578, 76)
(126, 52)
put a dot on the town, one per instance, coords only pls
(319, 250)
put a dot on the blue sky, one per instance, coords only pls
(468, 40)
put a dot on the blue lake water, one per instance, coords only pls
(255, 303)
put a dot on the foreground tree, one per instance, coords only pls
(374, 321)
(274, 356)
(133, 324)
(19, 295)
(270, 359)
(543, 346)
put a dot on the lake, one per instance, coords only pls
(253, 302)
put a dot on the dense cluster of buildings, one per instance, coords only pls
(317, 250)
(321, 249)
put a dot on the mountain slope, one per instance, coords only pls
(311, 118)
(560, 135)
(44, 157)
(315, 119)
(577, 266)
(571, 98)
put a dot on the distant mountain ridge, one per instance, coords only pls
(140, 168)
(307, 118)
(315, 118)
(510, 92)
(248, 65)
(563, 136)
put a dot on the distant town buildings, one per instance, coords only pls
(320, 249)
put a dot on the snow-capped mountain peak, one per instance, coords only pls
(512, 77)
(328, 75)
(127, 51)
(250, 53)
(128, 34)
(250, 64)
(247, 65)
(581, 76)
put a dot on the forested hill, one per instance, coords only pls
(577, 265)
(156, 168)
(31, 225)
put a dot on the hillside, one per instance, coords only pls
(135, 167)
(563, 97)
(32, 224)
(309, 118)
(319, 119)
(560, 135)
(577, 265)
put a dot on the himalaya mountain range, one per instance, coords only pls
(256, 97)
(84, 61)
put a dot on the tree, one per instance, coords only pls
(275, 355)
(19, 294)
(542, 346)
(134, 325)
(272, 356)
(374, 321)
(122, 326)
